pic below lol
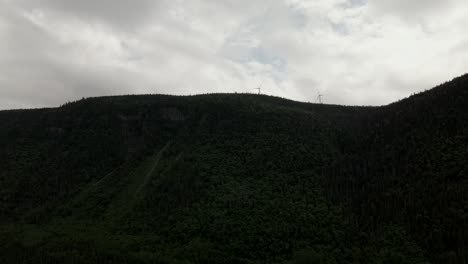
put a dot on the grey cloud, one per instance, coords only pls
(354, 52)
(121, 14)
(416, 10)
(35, 70)
(20, 63)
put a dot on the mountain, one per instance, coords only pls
(236, 178)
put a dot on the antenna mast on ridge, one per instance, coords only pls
(259, 88)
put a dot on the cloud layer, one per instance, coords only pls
(352, 51)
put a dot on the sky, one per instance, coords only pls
(354, 52)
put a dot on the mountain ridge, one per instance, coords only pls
(464, 76)
(236, 178)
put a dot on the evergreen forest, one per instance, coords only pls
(236, 178)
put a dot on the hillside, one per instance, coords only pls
(236, 178)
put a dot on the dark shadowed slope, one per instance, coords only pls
(236, 179)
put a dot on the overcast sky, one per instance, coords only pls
(360, 52)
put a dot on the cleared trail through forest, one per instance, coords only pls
(127, 198)
(149, 174)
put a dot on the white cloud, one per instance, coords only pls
(353, 51)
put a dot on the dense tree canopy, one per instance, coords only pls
(236, 179)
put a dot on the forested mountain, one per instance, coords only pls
(236, 178)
